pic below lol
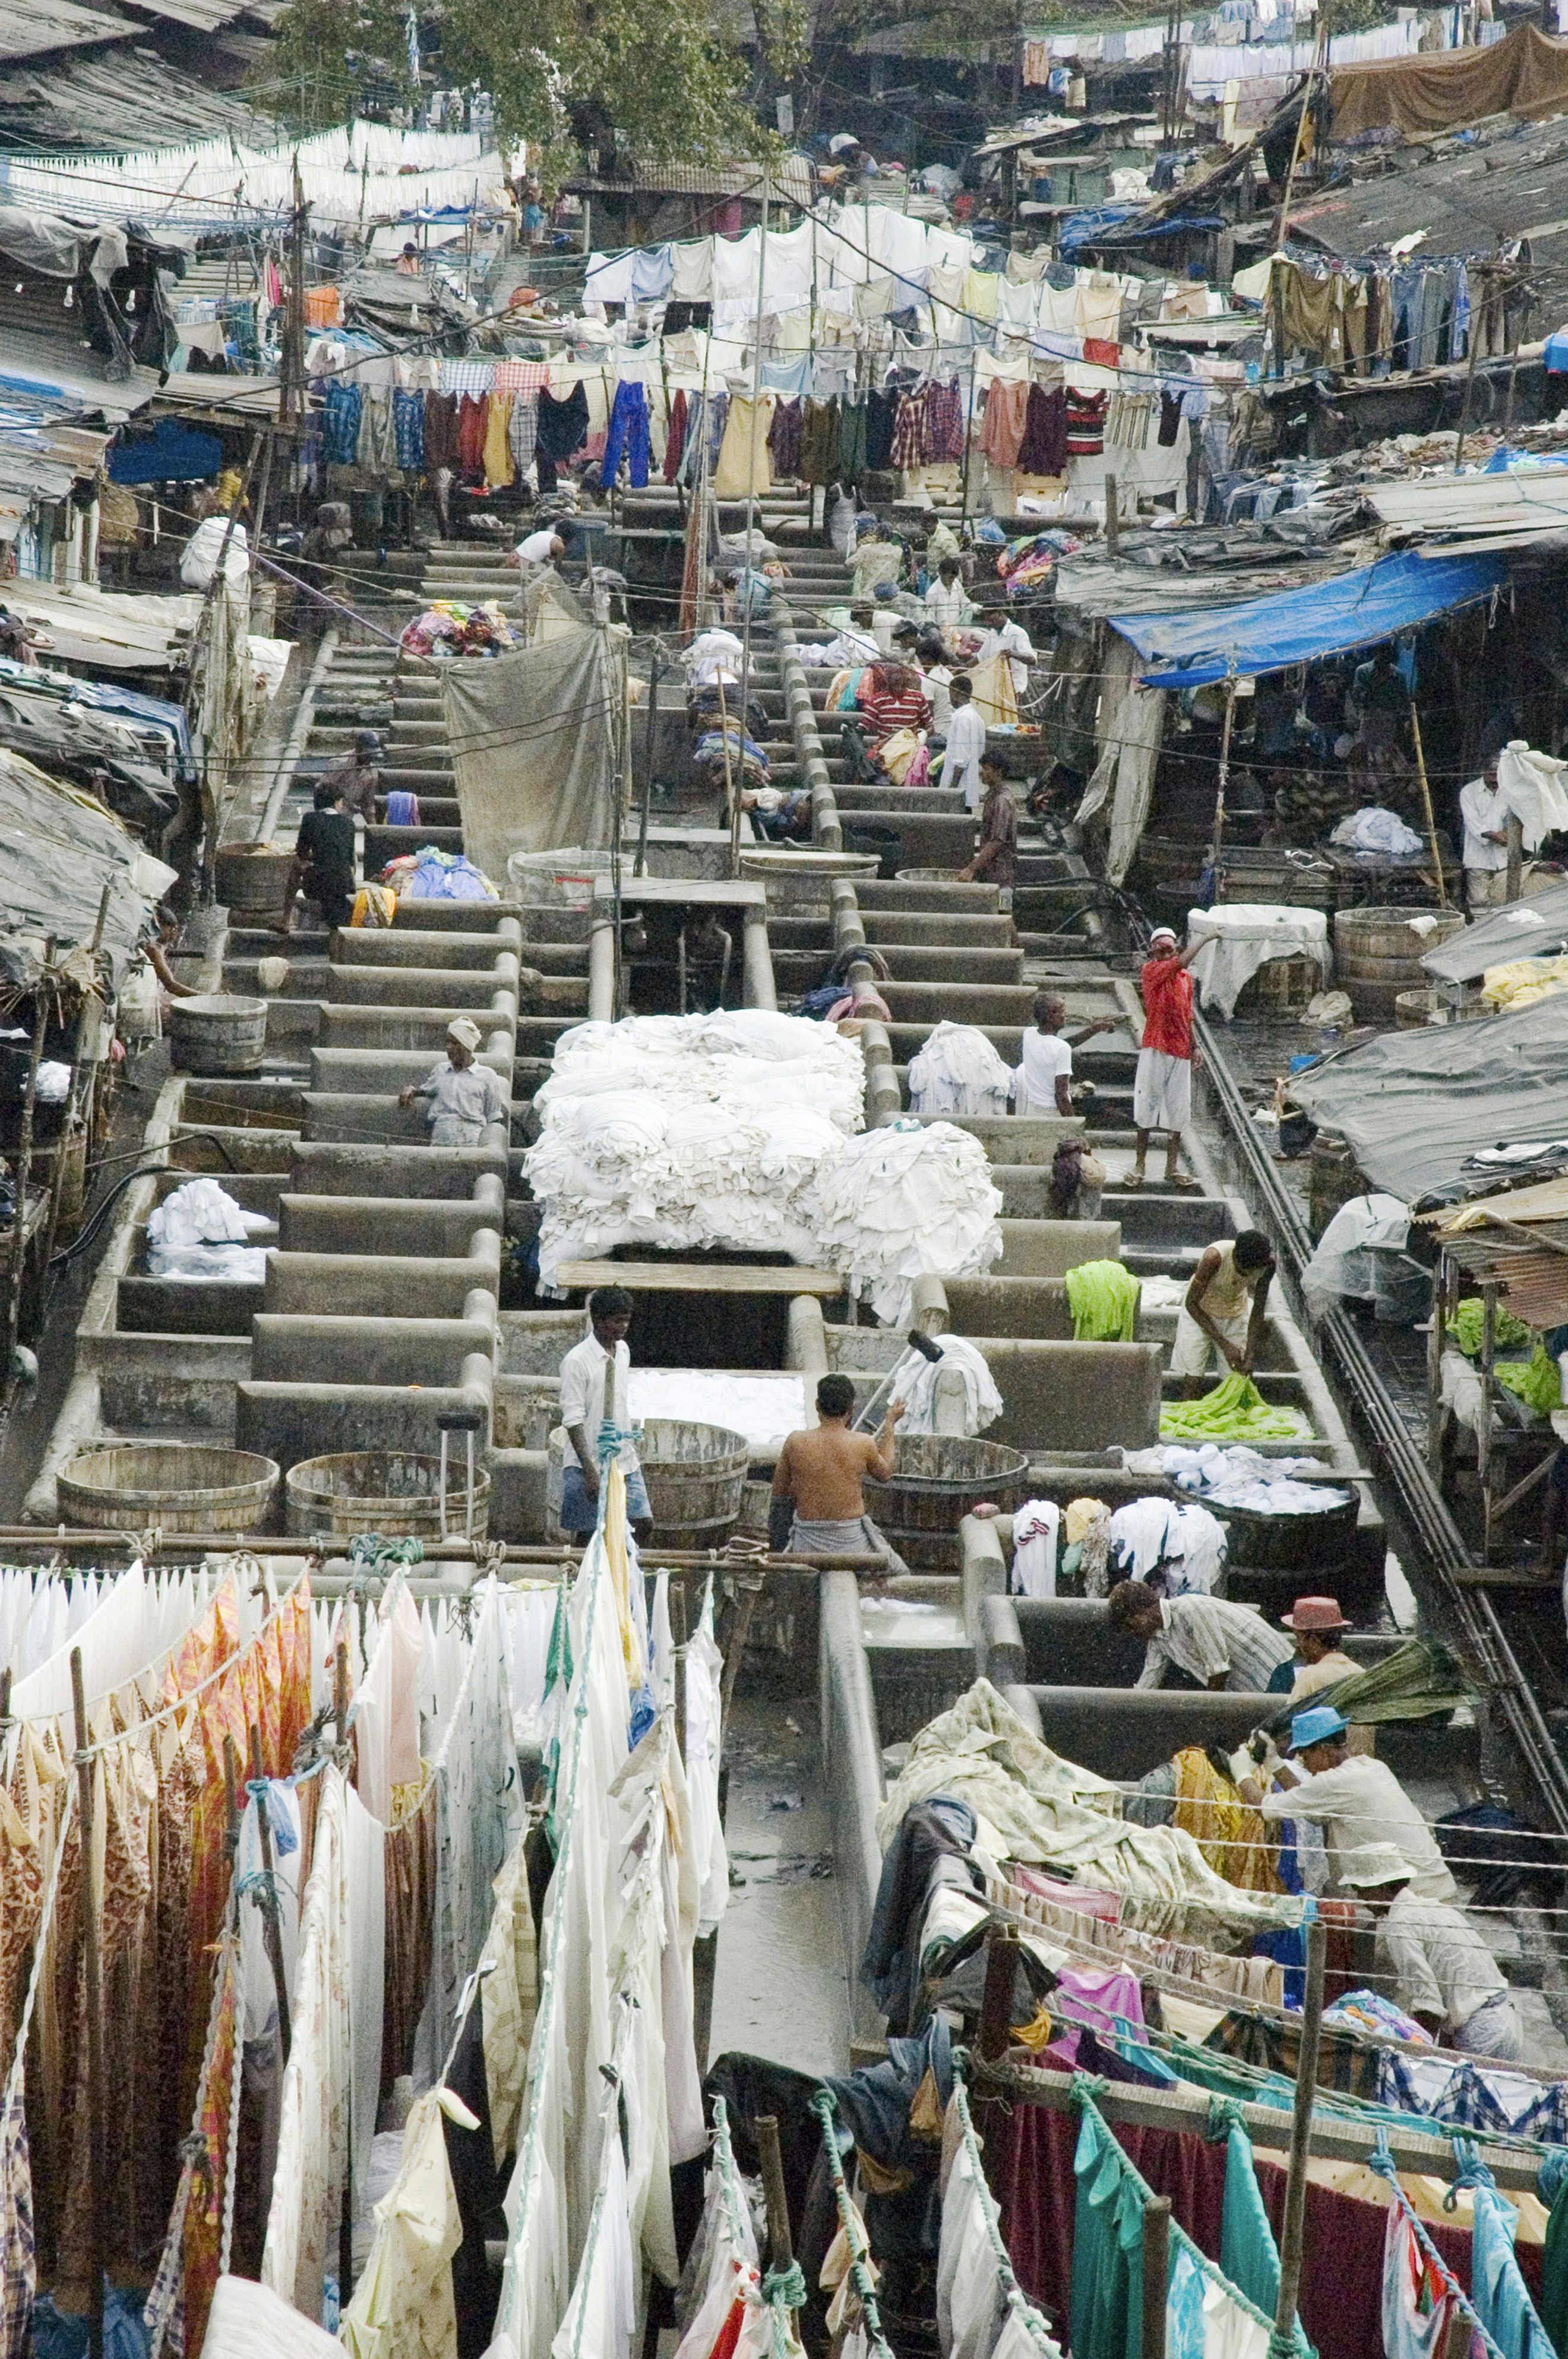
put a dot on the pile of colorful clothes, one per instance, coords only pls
(446, 629)
(1025, 564)
(431, 876)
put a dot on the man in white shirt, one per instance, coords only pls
(937, 673)
(965, 742)
(1484, 810)
(853, 646)
(1041, 1084)
(714, 655)
(1443, 1973)
(538, 551)
(595, 1380)
(464, 1096)
(1216, 1643)
(1357, 1797)
(947, 603)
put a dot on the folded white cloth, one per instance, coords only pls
(914, 1384)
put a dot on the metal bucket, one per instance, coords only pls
(129, 1486)
(217, 1032)
(937, 1478)
(394, 1492)
(696, 1476)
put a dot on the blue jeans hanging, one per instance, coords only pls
(628, 436)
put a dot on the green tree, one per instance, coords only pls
(674, 80)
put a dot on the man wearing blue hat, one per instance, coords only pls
(1357, 1797)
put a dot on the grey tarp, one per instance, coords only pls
(1534, 928)
(1414, 1106)
(536, 739)
(58, 850)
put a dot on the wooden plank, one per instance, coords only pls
(1504, 1576)
(1335, 2138)
(698, 1278)
(688, 892)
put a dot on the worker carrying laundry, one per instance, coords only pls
(463, 1096)
(819, 1474)
(1162, 1084)
(1225, 1308)
(1356, 1796)
(1443, 1972)
(596, 1377)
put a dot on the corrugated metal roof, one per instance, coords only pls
(198, 16)
(113, 100)
(31, 28)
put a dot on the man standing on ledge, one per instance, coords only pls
(595, 1379)
(819, 1474)
(1163, 1085)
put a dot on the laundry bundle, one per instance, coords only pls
(690, 1132)
(958, 1071)
(1234, 1411)
(200, 1231)
(902, 1202)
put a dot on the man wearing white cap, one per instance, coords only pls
(1443, 1972)
(1356, 1796)
(463, 1096)
(1163, 1085)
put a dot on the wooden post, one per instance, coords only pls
(748, 1583)
(24, 1169)
(1484, 1439)
(1434, 1367)
(1223, 778)
(1112, 519)
(1515, 832)
(1482, 271)
(272, 1931)
(340, 1693)
(98, 2238)
(1456, 2337)
(1156, 2273)
(73, 1094)
(996, 2005)
(678, 1640)
(231, 1799)
(1426, 806)
(1285, 2308)
(781, 2243)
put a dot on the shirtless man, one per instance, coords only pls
(819, 1474)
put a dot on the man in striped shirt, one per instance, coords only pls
(892, 699)
(1216, 1643)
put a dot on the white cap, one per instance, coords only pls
(463, 1029)
(1371, 1864)
(1163, 934)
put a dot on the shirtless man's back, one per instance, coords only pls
(820, 1471)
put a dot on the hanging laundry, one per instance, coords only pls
(881, 411)
(409, 431)
(1044, 447)
(909, 434)
(522, 430)
(818, 460)
(784, 438)
(1002, 425)
(627, 436)
(743, 469)
(853, 458)
(441, 430)
(341, 423)
(675, 440)
(562, 431)
(473, 416)
(1035, 1527)
(500, 469)
(1086, 424)
(944, 424)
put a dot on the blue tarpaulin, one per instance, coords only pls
(1118, 225)
(171, 454)
(1375, 602)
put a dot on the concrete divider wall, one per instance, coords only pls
(852, 1777)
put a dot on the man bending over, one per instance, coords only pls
(819, 1474)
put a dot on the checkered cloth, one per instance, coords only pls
(1478, 2096)
(521, 376)
(18, 2268)
(467, 376)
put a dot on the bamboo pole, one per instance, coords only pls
(781, 2243)
(72, 1097)
(91, 1967)
(1426, 806)
(23, 1170)
(1224, 778)
(1291, 2241)
(996, 2003)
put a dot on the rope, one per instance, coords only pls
(368, 1551)
(823, 2106)
(1017, 2301)
(1382, 2162)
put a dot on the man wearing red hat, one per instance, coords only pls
(1315, 1624)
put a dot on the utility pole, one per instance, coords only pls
(291, 391)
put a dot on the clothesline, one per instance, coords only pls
(823, 2106)
(1017, 2301)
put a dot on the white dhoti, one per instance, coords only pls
(1162, 1091)
(1190, 1351)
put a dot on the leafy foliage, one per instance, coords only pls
(672, 79)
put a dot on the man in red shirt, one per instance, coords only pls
(890, 699)
(1162, 1087)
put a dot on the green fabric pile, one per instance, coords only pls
(1103, 1298)
(1235, 1412)
(1465, 1328)
(1538, 1381)
(1416, 1680)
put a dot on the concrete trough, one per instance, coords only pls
(411, 1027)
(415, 946)
(369, 1071)
(289, 1421)
(1125, 1733)
(419, 987)
(366, 1350)
(174, 1305)
(361, 1285)
(339, 1225)
(323, 1168)
(1049, 1249)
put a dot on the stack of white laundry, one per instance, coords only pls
(685, 1132)
(199, 1232)
(902, 1202)
(958, 1071)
